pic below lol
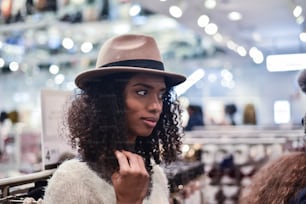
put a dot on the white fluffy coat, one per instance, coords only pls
(75, 183)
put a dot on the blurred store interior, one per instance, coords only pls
(240, 57)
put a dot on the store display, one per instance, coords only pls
(230, 161)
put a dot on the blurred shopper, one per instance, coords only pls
(124, 122)
(5, 130)
(195, 117)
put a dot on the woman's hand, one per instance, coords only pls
(132, 180)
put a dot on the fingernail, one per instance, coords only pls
(117, 152)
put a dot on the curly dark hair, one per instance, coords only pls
(278, 181)
(96, 122)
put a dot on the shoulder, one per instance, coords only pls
(70, 174)
(74, 180)
(72, 168)
(74, 172)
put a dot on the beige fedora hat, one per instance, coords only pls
(128, 53)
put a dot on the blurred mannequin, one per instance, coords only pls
(230, 111)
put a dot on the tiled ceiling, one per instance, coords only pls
(268, 25)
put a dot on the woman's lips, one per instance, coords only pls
(150, 122)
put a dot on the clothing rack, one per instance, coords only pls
(14, 188)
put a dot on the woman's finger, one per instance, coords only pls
(135, 160)
(122, 160)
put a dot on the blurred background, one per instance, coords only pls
(242, 103)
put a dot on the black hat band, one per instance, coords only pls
(143, 63)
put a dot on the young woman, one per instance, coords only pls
(124, 122)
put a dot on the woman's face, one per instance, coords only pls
(144, 103)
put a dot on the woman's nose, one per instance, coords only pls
(156, 104)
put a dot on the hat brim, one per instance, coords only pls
(91, 75)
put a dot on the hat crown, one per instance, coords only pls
(128, 53)
(128, 47)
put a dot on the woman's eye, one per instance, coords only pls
(161, 96)
(142, 93)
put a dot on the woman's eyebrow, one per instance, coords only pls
(147, 86)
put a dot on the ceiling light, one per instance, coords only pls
(211, 29)
(299, 20)
(175, 11)
(227, 75)
(258, 58)
(135, 10)
(14, 66)
(68, 43)
(234, 16)
(210, 4)
(203, 21)
(297, 11)
(303, 37)
(218, 37)
(86, 47)
(286, 62)
(53, 69)
(231, 45)
(253, 51)
(190, 81)
(256, 55)
(241, 51)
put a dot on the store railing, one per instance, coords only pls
(15, 189)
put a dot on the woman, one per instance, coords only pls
(124, 123)
(280, 181)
